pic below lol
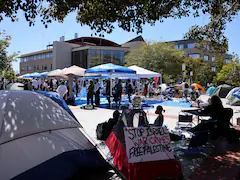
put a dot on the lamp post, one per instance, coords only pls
(183, 71)
(191, 75)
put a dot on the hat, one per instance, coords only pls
(159, 109)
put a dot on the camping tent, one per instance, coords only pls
(144, 73)
(15, 86)
(222, 90)
(230, 94)
(144, 170)
(58, 99)
(210, 90)
(40, 140)
(198, 86)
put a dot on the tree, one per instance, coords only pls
(219, 63)
(229, 74)
(130, 15)
(201, 71)
(5, 59)
(158, 57)
(9, 74)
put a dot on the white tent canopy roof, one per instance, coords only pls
(144, 73)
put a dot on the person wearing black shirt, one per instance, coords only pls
(160, 118)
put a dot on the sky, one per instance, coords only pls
(29, 39)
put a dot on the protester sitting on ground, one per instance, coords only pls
(159, 120)
(193, 94)
(112, 122)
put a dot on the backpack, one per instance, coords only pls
(186, 86)
(101, 131)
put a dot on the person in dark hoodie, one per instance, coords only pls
(90, 93)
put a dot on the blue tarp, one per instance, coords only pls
(182, 103)
(109, 68)
(58, 99)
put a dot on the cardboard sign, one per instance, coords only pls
(145, 144)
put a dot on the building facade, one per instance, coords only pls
(191, 48)
(84, 52)
(90, 51)
(39, 61)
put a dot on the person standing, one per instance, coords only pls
(97, 93)
(77, 88)
(90, 92)
(129, 90)
(118, 92)
(108, 95)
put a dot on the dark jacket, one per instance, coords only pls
(159, 120)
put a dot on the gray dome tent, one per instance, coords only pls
(222, 91)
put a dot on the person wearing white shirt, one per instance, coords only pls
(62, 90)
(35, 84)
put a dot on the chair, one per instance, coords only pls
(185, 121)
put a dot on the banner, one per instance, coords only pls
(145, 144)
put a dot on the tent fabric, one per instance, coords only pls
(74, 70)
(143, 170)
(110, 68)
(230, 94)
(37, 135)
(210, 90)
(58, 99)
(144, 73)
(44, 74)
(59, 73)
(15, 86)
(33, 75)
(197, 86)
(222, 91)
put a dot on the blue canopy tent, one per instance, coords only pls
(210, 90)
(33, 75)
(110, 69)
(44, 74)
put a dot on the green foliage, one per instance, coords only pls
(5, 60)
(201, 71)
(10, 75)
(230, 74)
(130, 15)
(219, 63)
(158, 57)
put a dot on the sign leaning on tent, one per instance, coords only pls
(145, 144)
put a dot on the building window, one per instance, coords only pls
(44, 67)
(194, 55)
(206, 57)
(213, 58)
(29, 68)
(23, 68)
(180, 46)
(214, 69)
(191, 45)
(36, 68)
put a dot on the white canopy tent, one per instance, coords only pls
(144, 73)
